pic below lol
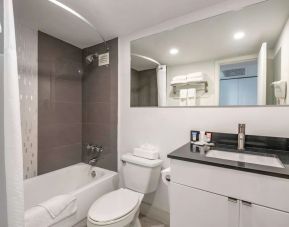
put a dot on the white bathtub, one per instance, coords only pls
(76, 180)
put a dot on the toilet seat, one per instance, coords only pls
(114, 206)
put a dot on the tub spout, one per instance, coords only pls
(92, 162)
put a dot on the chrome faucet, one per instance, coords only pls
(92, 162)
(94, 152)
(241, 137)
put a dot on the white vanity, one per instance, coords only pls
(212, 192)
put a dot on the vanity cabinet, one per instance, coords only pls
(206, 196)
(258, 216)
(196, 208)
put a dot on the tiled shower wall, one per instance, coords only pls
(60, 104)
(99, 104)
(144, 89)
(54, 134)
(27, 39)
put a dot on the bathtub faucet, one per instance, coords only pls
(94, 151)
(92, 162)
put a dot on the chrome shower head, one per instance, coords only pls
(90, 58)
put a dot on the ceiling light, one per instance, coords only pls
(239, 35)
(68, 9)
(174, 51)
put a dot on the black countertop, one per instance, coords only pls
(186, 153)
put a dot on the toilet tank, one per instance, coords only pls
(140, 174)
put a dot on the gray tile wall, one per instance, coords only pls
(59, 104)
(144, 90)
(99, 99)
(77, 104)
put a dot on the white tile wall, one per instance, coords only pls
(27, 51)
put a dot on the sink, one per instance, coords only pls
(247, 158)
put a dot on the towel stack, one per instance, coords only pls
(195, 77)
(188, 96)
(146, 151)
(190, 78)
(179, 80)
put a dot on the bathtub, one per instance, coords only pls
(76, 180)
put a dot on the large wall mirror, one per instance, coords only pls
(240, 58)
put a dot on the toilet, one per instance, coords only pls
(120, 208)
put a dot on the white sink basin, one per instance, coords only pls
(248, 158)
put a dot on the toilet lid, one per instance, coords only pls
(113, 205)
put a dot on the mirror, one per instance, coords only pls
(238, 58)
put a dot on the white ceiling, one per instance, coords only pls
(141, 64)
(112, 18)
(212, 39)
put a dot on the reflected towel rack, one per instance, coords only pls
(177, 86)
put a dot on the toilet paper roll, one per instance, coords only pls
(166, 176)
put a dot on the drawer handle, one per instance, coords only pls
(233, 200)
(246, 203)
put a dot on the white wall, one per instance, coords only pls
(283, 43)
(168, 128)
(207, 67)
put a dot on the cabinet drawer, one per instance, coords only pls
(258, 216)
(256, 188)
(190, 207)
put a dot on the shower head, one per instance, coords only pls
(90, 58)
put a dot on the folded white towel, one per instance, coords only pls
(183, 97)
(57, 204)
(192, 93)
(192, 97)
(183, 93)
(146, 151)
(37, 217)
(179, 80)
(183, 102)
(42, 216)
(196, 77)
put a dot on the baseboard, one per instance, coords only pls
(155, 213)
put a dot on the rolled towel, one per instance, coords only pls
(57, 204)
(52, 211)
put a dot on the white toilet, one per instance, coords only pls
(120, 208)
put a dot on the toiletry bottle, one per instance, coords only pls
(202, 136)
(194, 136)
(209, 137)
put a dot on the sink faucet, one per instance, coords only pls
(241, 137)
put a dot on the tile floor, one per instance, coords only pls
(147, 222)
